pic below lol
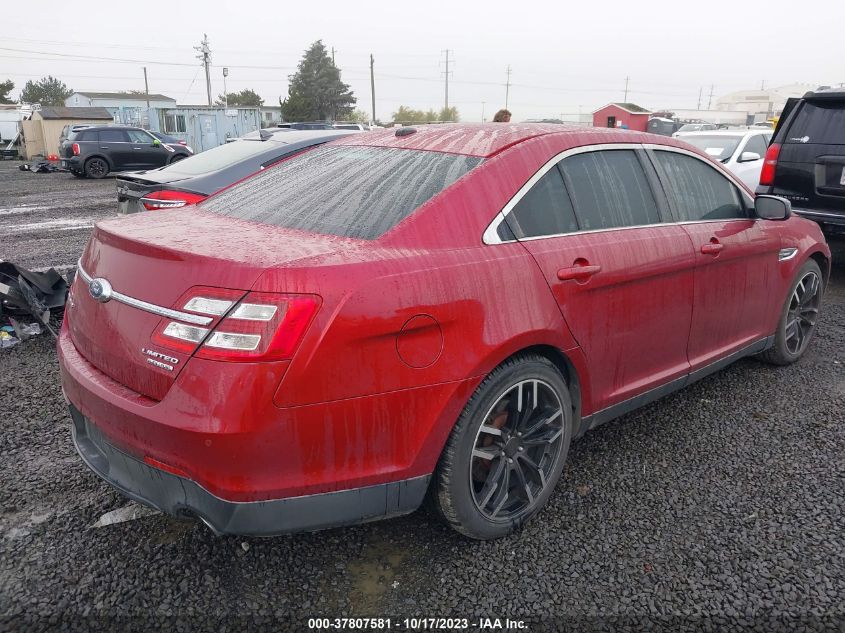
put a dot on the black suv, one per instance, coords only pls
(96, 151)
(806, 161)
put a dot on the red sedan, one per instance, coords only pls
(406, 313)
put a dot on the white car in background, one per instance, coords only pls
(741, 150)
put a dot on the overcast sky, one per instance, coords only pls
(565, 57)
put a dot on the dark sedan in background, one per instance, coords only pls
(192, 180)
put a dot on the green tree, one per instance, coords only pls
(449, 114)
(5, 89)
(408, 115)
(48, 91)
(316, 91)
(246, 98)
(357, 116)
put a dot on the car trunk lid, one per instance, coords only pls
(162, 259)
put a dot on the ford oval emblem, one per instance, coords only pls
(100, 290)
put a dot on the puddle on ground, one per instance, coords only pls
(373, 575)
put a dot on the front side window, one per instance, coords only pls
(756, 144)
(544, 210)
(697, 190)
(137, 136)
(609, 189)
(349, 191)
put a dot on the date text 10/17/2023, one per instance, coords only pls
(417, 624)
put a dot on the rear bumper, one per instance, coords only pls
(822, 217)
(178, 496)
(73, 163)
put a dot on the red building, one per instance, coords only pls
(628, 116)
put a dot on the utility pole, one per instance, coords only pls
(483, 103)
(146, 88)
(626, 90)
(710, 98)
(698, 107)
(763, 84)
(225, 92)
(205, 57)
(507, 85)
(447, 78)
(332, 55)
(373, 87)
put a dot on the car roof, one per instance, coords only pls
(115, 127)
(475, 139)
(289, 136)
(734, 132)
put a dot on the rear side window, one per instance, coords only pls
(545, 210)
(609, 189)
(113, 136)
(697, 190)
(357, 192)
(818, 123)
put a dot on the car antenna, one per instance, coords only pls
(265, 134)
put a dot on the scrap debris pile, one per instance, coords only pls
(26, 295)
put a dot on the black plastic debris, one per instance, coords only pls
(40, 166)
(25, 293)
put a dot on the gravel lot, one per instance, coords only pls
(717, 508)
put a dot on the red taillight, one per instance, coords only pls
(167, 199)
(75, 148)
(260, 326)
(770, 163)
(183, 142)
(263, 326)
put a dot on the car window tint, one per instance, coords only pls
(544, 210)
(137, 136)
(609, 189)
(113, 136)
(756, 144)
(699, 191)
(818, 123)
(357, 192)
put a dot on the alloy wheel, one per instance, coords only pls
(803, 312)
(97, 168)
(515, 451)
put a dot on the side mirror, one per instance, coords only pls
(772, 207)
(747, 157)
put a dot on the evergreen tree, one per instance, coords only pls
(316, 91)
(48, 91)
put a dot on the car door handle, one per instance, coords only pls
(137, 148)
(713, 247)
(579, 272)
(104, 146)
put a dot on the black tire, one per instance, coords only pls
(462, 492)
(177, 158)
(798, 318)
(96, 168)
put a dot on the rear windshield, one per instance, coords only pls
(219, 157)
(717, 146)
(818, 123)
(357, 192)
